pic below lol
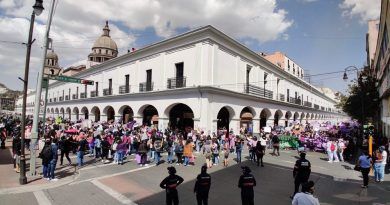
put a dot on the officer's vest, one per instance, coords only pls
(172, 183)
(248, 181)
(204, 181)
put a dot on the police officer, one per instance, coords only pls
(169, 184)
(246, 183)
(202, 186)
(301, 172)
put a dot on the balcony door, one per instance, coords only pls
(179, 74)
(149, 80)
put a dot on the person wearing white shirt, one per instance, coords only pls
(384, 161)
(306, 196)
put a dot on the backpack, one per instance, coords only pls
(158, 145)
(179, 148)
(332, 147)
(46, 153)
(98, 143)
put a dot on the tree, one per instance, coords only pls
(362, 102)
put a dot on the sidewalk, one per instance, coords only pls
(10, 179)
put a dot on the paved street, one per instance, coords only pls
(98, 183)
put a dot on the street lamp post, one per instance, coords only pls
(363, 78)
(34, 130)
(38, 8)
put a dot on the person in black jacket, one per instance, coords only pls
(170, 184)
(46, 156)
(202, 186)
(17, 150)
(259, 150)
(65, 146)
(301, 172)
(246, 183)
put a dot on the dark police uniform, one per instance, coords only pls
(301, 173)
(246, 183)
(202, 187)
(169, 184)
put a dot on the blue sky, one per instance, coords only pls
(319, 35)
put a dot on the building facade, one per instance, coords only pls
(7, 103)
(285, 63)
(381, 69)
(202, 78)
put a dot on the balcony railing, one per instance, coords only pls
(295, 101)
(178, 82)
(146, 86)
(94, 94)
(123, 89)
(83, 95)
(75, 97)
(281, 97)
(258, 91)
(307, 104)
(66, 97)
(61, 99)
(107, 91)
(317, 107)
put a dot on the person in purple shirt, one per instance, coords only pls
(364, 163)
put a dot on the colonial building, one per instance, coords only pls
(202, 78)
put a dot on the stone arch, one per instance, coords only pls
(48, 110)
(149, 114)
(76, 112)
(296, 116)
(127, 113)
(246, 119)
(85, 112)
(277, 116)
(225, 114)
(95, 111)
(265, 114)
(307, 116)
(302, 117)
(287, 116)
(109, 112)
(52, 110)
(62, 113)
(69, 112)
(181, 117)
(312, 116)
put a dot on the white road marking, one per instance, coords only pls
(118, 196)
(41, 198)
(111, 175)
(102, 165)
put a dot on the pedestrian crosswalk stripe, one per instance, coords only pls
(113, 193)
(41, 198)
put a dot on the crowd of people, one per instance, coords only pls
(113, 142)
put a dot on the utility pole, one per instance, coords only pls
(35, 131)
(38, 8)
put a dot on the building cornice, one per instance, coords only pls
(188, 90)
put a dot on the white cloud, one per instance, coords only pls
(77, 23)
(364, 9)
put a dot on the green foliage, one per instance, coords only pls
(362, 101)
